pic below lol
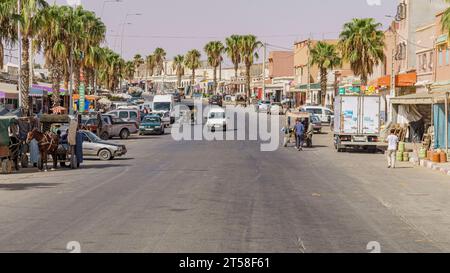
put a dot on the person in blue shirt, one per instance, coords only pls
(299, 133)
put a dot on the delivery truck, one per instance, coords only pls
(357, 122)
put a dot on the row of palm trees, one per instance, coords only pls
(361, 45)
(240, 49)
(61, 34)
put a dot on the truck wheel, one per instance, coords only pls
(124, 134)
(104, 155)
(104, 136)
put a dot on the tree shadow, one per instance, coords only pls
(26, 186)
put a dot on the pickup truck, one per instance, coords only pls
(117, 127)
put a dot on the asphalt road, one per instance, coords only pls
(227, 196)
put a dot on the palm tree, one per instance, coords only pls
(111, 70)
(129, 70)
(150, 65)
(50, 38)
(326, 57)
(192, 61)
(214, 51)
(138, 61)
(30, 18)
(234, 53)
(178, 66)
(160, 57)
(362, 43)
(248, 46)
(446, 19)
(8, 28)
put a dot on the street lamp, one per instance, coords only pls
(123, 29)
(108, 1)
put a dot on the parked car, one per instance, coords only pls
(317, 124)
(264, 106)
(95, 146)
(216, 119)
(117, 127)
(151, 124)
(216, 100)
(325, 114)
(127, 114)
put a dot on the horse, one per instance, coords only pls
(48, 144)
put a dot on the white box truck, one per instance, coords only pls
(357, 122)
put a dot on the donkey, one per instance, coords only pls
(48, 144)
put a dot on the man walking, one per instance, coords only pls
(392, 140)
(299, 132)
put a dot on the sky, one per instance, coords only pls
(181, 25)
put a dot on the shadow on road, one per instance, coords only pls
(103, 166)
(27, 186)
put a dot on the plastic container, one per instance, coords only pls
(429, 155)
(406, 156)
(422, 153)
(401, 146)
(399, 156)
(436, 158)
(443, 157)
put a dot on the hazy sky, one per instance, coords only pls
(180, 25)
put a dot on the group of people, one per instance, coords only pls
(299, 132)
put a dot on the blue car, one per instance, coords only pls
(151, 124)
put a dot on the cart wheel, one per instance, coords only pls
(24, 161)
(4, 166)
(40, 164)
(73, 162)
(16, 164)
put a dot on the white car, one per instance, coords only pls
(216, 119)
(325, 114)
(264, 106)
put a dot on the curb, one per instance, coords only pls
(432, 166)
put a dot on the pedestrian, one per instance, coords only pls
(299, 134)
(287, 134)
(392, 141)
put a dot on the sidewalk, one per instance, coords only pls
(441, 167)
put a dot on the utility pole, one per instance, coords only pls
(264, 72)
(308, 71)
(19, 57)
(71, 81)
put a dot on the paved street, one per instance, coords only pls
(169, 196)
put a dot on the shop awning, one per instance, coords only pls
(401, 80)
(418, 99)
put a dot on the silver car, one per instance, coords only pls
(104, 150)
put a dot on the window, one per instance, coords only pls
(430, 64)
(123, 114)
(440, 56)
(447, 56)
(133, 115)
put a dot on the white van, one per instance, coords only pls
(216, 119)
(164, 105)
(326, 115)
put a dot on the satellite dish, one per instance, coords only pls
(74, 3)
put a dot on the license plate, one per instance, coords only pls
(359, 139)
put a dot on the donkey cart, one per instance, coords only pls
(68, 147)
(9, 145)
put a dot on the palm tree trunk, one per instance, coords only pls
(25, 77)
(364, 80)
(193, 80)
(247, 76)
(236, 67)
(2, 53)
(76, 75)
(179, 80)
(56, 79)
(215, 80)
(323, 85)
